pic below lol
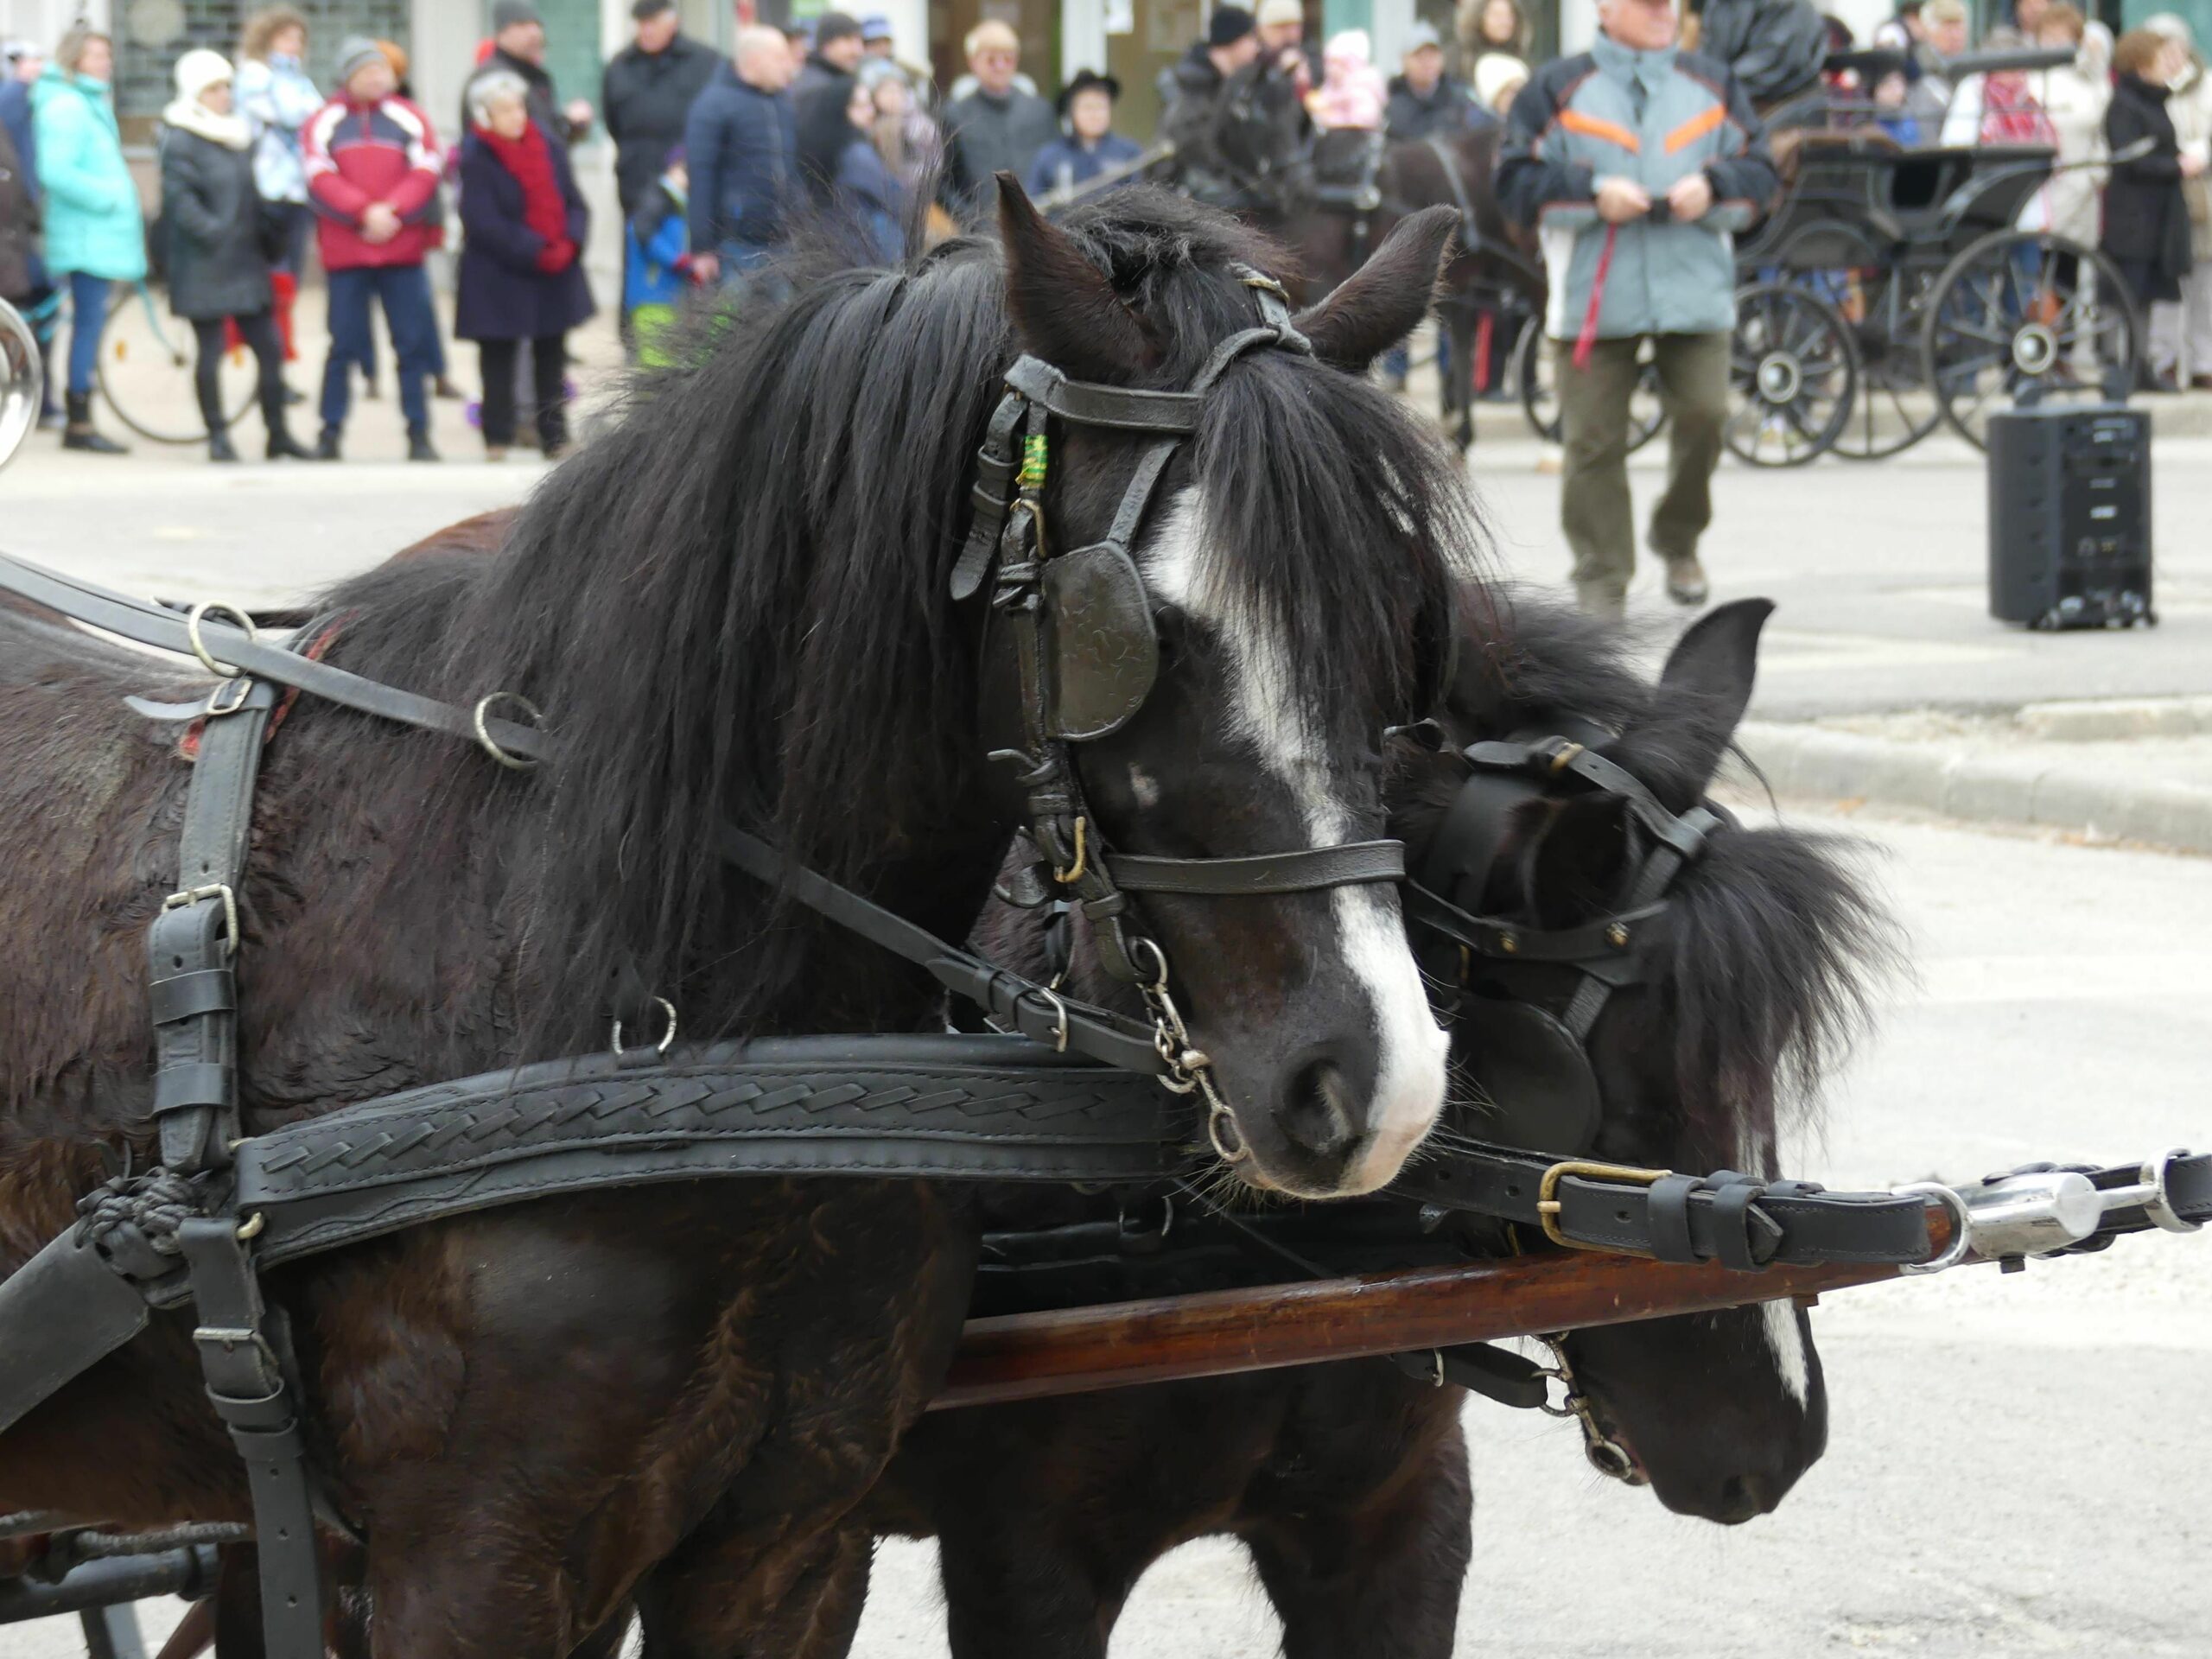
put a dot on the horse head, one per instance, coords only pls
(1756, 972)
(1272, 663)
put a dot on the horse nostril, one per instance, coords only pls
(1744, 1496)
(1314, 1114)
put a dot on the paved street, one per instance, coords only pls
(2016, 1465)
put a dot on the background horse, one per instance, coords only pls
(732, 608)
(1348, 1482)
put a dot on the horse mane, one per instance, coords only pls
(734, 605)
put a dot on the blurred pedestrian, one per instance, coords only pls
(95, 226)
(646, 95)
(657, 262)
(21, 64)
(1775, 49)
(1203, 85)
(1091, 146)
(519, 47)
(742, 145)
(1280, 26)
(1594, 144)
(1425, 101)
(905, 136)
(277, 99)
(521, 276)
(2181, 330)
(2146, 214)
(18, 225)
(2074, 98)
(1352, 92)
(865, 187)
(372, 166)
(218, 247)
(821, 102)
(879, 56)
(1944, 26)
(998, 127)
(1498, 80)
(1490, 30)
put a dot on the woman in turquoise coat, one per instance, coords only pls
(95, 230)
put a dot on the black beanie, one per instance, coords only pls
(1230, 24)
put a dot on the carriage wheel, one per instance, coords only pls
(2024, 308)
(1534, 369)
(21, 379)
(1792, 373)
(1882, 297)
(146, 365)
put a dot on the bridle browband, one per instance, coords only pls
(1078, 626)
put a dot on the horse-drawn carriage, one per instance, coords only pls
(1011, 586)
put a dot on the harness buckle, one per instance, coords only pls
(1548, 1203)
(239, 688)
(188, 896)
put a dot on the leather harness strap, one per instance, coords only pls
(1307, 870)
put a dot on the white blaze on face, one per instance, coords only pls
(1785, 1336)
(1267, 710)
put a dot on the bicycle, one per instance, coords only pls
(147, 365)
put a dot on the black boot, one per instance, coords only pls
(325, 447)
(80, 433)
(219, 447)
(281, 445)
(418, 445)
(219, 432)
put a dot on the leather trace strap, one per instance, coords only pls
(150, 624)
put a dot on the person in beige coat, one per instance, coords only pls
(2181, 330)
(2073, 99)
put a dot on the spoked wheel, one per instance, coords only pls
(1882, 296)
(1792, 375)
(147, 361)
(21, 379)
(1534, 370)
(2020, 309)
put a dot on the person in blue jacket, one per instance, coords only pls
(1090, 146)
(865, 185)
(657, 260)
(742, 143)
(95, 226)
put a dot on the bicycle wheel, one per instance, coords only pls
(1534, 368)
(21, 376)
(1792, 374)
(147, 362)
(2022, 308)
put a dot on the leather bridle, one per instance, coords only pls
(1077, 625)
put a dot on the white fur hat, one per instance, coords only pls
(198, 70)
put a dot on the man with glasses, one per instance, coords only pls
(1635, 164)
(996, 128)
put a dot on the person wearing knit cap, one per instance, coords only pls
(372, 165)
(1281, 25)
(218, 267)
(518, 49)
(1201, 85)
(646, 95)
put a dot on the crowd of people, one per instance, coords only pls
(718, 157)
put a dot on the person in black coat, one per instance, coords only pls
(646, 96)
(2146, 217)
(1425, 102)
(520, 278)
(218, 261)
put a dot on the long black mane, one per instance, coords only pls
(734, 603)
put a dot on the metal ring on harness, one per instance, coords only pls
(1962, 1228)
(483, 707)
(667, 1037)
(197, 615)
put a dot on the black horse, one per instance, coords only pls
(734, 608)
(1348, 1482)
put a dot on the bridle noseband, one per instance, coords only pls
(1079, 628)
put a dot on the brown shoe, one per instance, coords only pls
(1686, 582)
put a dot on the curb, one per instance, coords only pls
(2010, 788)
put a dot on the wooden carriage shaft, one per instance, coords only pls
(1218, 1333)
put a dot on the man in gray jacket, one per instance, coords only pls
(1635, 164)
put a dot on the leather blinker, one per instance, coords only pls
(1534, 1079)
(1102, 655)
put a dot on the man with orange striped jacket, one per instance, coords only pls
(1635, 164)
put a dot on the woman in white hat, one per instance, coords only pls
(218, 257)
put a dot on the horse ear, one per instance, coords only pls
(1703, 692)
(1064, 307)
(1382, 301)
